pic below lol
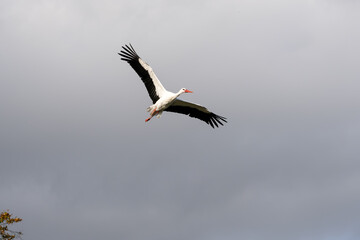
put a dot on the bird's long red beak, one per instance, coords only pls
(188, 91)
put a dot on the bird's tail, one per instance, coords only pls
(151, 108)
(159, 114)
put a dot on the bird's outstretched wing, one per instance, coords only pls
(196, 111)
(147, 75)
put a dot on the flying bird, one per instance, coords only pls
(162, 99)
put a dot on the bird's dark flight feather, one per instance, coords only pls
(129, 55)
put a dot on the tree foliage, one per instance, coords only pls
(7, 219)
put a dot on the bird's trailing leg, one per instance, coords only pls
(153, 113)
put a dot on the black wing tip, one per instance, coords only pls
(208, 117)
(128, 53)
(216, 120)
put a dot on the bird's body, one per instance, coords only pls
(164, 100)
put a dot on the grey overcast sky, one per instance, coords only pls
(79, 162)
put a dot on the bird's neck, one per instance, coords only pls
(178, 93)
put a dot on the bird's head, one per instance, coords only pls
(184, 90)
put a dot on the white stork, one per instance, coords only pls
(164, 100)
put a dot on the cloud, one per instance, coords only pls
(78, 161)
